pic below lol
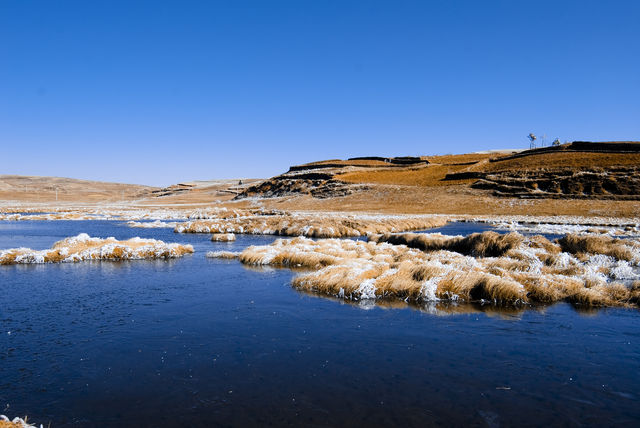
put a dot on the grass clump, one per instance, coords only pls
(485, 244)
(503, 269)
(83, 247)
(582, 245)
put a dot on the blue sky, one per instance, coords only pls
(159, 92)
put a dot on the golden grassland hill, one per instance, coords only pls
(591, 179)
(58, 190)
(51, 189)
(577, 179)
(465, 169)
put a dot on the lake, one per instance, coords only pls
(209, 342)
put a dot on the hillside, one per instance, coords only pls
(49, 190)
(580, 178)
(576, 170)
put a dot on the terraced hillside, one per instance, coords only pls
(609, 170)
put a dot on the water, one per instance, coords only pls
(206, 342)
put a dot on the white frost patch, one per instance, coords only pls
(152, 224)
(223, 254)
(428, 289)
(623, 270)
(367, 289)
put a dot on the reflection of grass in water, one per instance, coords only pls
(442, 308)
(507, 269)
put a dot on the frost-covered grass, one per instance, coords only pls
(316, 225)
(560, 225)
(505, 269)
(5, 422)
(223, 237)
(222, 254)
(152, 224)
(84, 247)
(133, 215)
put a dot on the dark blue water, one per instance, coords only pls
(205, 342)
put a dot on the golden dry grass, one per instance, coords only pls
(322, 225)
(577, 160)
(454, 200)
(223, 237)
(519, 270)
(341, 162)
(487, 244)
(426, 176)
(51, 189)
(465, 158)
(582, 245)
(434, 173)
(83, 247)
(5, 422)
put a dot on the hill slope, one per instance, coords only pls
(49, 189)
(576, 170)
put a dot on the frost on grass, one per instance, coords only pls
(47, 212)
(505, 269)
(84, 247)
(223, 237)
(152, 224)
(317, 225)
(222, 255)
(5, 422)
(560, 225)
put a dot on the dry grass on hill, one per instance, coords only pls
(426, 176)
(465, 158)
(57, 189)
(399, 189)
(575, 160)
(434, 173)
(455, 200)
(354, 162)
(430, 175)
(522, 270)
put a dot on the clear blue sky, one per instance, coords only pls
(161, 91)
